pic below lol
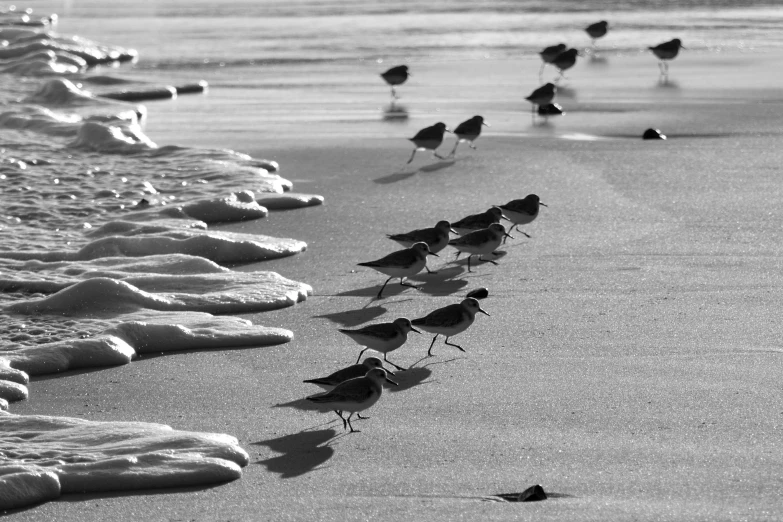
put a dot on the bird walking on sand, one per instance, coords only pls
(402, 264)
(548, 56)
(480, 242)
(383, 337)
(565, 61)
(396, 76)
(436, 238)
(468, 131)
(349, 372)
(450, 320)
(666, 51)
(541, 96)
(354, 395)
(478, 221)
(429, 138)
(522, 211)
(597, 30)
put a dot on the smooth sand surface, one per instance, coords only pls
(632, 361)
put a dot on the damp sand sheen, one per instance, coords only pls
(100, 265)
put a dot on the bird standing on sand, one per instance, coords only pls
(396, 76)
(402, 264)
(478, 221)
(436, 238)
(450, 320)
(468, 131)
(565, 61)
(383, 337)
(429, 138)
(666, 51)
(349, 372)
(480, 242)
(541, 96)
(354, 395)
(522, 211)
(548, 55)
(597, 30)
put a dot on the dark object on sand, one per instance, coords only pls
(395, 76)
(478, 293)
(550, 109)
(653, 134)
(429, 138)
(531, 494)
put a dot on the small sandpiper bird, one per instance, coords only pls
(480, 242)
(349, 372)
(597, 30)
(666, 51)
(468, 131)
(522, 211)
(450, 320)
(402, 263)
(436, 238)
(396, 76)
(548, 55)
(429, 138)
(383, 337)
(565, 61)
(478, 221)
(354, 395)
(541, 96)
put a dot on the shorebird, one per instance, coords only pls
(522, 211)
(450, 320)
(468, 131)
(383, 337)
(402, 263)
(429, 138)
(480, 242)
(396, 76)
(565, 61)
(541, 96)
(436, 238)
(666, 51)
(478, 221)
(548, 55)
(597, 30)
(354, 395)
(349, 372)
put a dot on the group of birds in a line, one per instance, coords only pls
(357, 387)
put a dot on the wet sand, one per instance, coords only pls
(632, 361)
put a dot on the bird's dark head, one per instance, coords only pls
(678, 43)
(441, 127)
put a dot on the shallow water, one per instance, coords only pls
(120, 276)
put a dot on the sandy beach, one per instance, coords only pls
(631, 364)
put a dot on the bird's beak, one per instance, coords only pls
(432, 254)
(486, 124)
(415, 330)
(389, 372)
(483, 311)
(506, 234)
(452, 231)
(391, 381)
(447, 130)
(543, 204)
(683, 47)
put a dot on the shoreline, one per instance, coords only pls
(648, 286)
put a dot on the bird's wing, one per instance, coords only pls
(399, 258)
(381, 331)
(354, 390)
(446, 316)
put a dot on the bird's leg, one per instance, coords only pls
(472, 146)
(454, 345)
(403, 283)
(457, 256)
(524, 233)
(454, 149)
(394, 93)
(413, 154)
(358, 416)
(429, 352)
(338, 412)
(384, 286)
(471, 255)
(429, 271)
(541, 72)
(349, 424)
(360, 354)
(434, 153)
(492, 261)
(388, 361)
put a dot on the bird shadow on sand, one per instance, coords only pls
(302, 452)
(395, 112)
(442, 282)
(664, 83)
(415, 376)
(475, 261)
(354, 317)
(408, 172)
(566, 92)
(597, 60)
